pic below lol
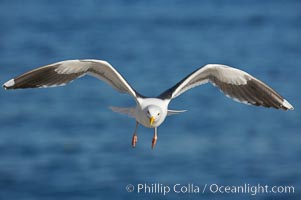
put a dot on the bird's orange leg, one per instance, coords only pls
(135, 137)
(154, 141)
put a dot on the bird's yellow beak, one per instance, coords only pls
(151, 120)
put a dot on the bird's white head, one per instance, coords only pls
(154, 113)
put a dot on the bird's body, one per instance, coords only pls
(151, 112)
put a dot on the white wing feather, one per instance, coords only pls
(235, 83)
(61, 73)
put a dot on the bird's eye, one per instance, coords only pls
(158, 114)
(148, 112)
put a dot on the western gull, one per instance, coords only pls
(151, 112)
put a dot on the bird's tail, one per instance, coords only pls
(124, 110)
(174, 112)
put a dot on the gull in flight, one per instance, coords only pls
(151, 112)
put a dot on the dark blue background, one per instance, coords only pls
(64, 143)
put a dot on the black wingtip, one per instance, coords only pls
(9, 84)
(287, 105)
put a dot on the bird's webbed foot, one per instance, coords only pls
(135, 137)
(154, 141)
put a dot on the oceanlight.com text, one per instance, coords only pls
(192, 188)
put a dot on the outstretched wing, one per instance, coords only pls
(61, 73)
(235, 83)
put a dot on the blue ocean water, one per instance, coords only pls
(64, 143)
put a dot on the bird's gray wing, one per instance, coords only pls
(234, 83)
(61, 73)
